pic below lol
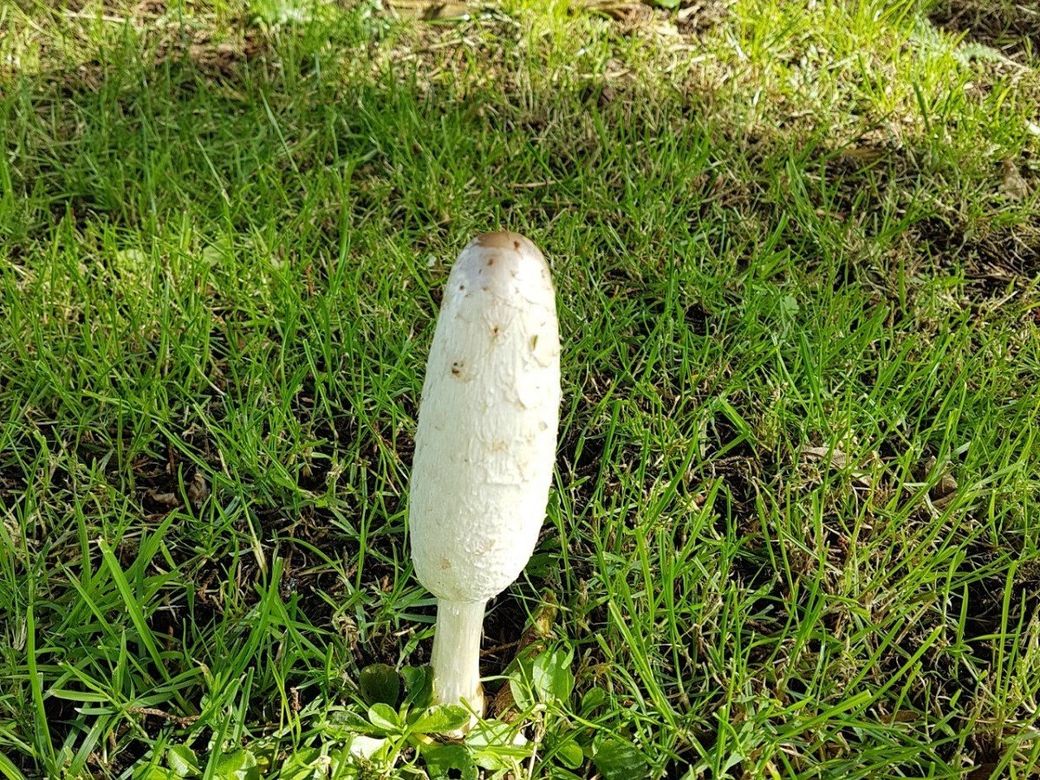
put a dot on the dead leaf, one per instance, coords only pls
(629, 14)
(198, 489)
(945, 487)
(835, 458)
(1015, 185)
(944, 491)
(163, 499)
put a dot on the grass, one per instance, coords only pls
(794, 530)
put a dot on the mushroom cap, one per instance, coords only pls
(486, 438)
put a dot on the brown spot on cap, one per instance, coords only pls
(491, 263)
(505, 239)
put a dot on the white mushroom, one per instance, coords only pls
(485, 445)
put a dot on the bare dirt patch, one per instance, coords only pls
(991, 260)
(1012, 26)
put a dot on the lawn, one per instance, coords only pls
(795, 524)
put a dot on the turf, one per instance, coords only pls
(794, 530)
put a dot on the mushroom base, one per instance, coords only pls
(456, 654)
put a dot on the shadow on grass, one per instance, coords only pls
(1012, 27)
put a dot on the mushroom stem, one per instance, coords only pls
(456, 653)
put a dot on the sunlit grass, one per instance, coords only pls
(794, 526)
